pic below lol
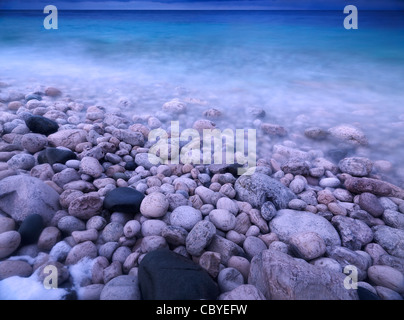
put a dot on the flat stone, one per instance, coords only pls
(68, 138)
(9, 242)
(10, 268)
(376, 187)
(387, 277)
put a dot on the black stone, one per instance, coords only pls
(365, 294)
(31, 228)
(42, 125)
(166, 275)
(224, 168)
(130, 165)
(55, 155)
(123, 199)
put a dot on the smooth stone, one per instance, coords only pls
(307, 245)
(200, 237)
(68, 224)
(295, 167)
(349, 134)
(31, 228)
(376, 187)
(91, 166)
(274, 267)
(112, 232)
(154, 205)
(151, 243)
(153, 227)
(185, 217)
(356, 166)
(388, 277)
(227, 204)
(60, 251)
(11, 268)
(24, 195)
(68, 138)
(42, 125)
(6, 224)
(258, 188)
(48, 238)
(329, 183)
(222, 219)
(394, 219)
(268, 210)
(124, 199)
(297, 204)
(21, 161)
(132, 228)
(253, 246)
(123, 287)
(107, 249)
(147, 160)
(9, 242)
(229, 279)
(289, 222)
(330, 264)
(243, 292)
(81, 250)
(85, 206)
(33, 142)
(166, 275)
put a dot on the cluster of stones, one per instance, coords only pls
(76, 182)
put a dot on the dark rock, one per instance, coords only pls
(55, 155)
(365, 294)
(130, 165)
(123, 199)
(166, 275)
(224, 168)
(39, 124)
(370, 203)
(258, 188)
(31, 229)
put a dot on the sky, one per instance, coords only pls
(203, 4)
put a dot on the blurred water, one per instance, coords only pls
(302, 67)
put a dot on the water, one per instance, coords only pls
(302, 67)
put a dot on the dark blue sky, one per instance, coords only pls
(205, 4)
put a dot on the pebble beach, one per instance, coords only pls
(78, 192)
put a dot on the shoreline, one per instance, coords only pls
(97, 196)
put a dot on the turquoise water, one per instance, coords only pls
(302, 67)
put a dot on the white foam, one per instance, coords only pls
(19, 288)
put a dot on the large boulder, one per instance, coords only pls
(281, 277)
(287, 223)
(259, 188)
(166, 275)
(21, 196)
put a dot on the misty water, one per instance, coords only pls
(303, 68)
